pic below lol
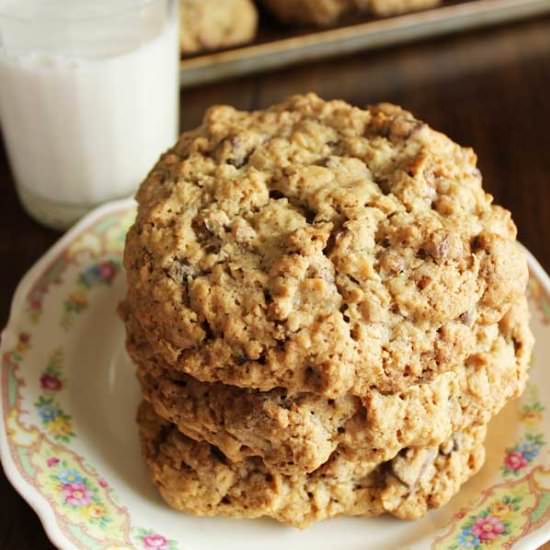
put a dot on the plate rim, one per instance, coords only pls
(37, 502)
(32, 497)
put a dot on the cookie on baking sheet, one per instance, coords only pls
(395, 7)
(318, 247)
(213, 24)
(297, 433)
(328, 12)
(197, 477)
(315, 12)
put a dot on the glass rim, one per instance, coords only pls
(138, 4)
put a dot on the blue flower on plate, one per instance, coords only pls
(103, 272)
(47, 410)
(467, 539)
(529, 450)
(70, 476)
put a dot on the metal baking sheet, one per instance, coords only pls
(288, 47)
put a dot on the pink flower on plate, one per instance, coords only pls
(515, 461)
(52, 461)
(107, 271)
(158, 542)
(488, 528)
(50, 382)
(76, 494)
(103, 483)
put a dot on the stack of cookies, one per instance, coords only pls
(325, 310)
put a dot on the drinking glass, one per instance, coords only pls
(88, 99)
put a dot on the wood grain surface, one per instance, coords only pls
(488, 89)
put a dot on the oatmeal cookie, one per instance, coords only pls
(327, 12)
(211, 24)
(395, 7)
(198, 478)
(320, 248)
(314, 12)
(297, 433)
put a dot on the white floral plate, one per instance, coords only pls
(69, 444)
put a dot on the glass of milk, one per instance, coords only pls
(88, 99)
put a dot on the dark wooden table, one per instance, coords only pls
(488, 89)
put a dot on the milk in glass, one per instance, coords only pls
(88, 98)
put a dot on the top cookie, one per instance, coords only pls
(318, 247)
